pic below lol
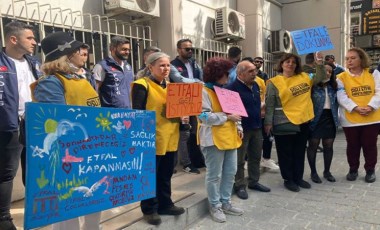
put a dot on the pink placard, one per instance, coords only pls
(230, 101)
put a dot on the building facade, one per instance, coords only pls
(259, 27)
(365, 27)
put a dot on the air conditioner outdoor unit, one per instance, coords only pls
(281, 41)
(133, 7)
(229, 24)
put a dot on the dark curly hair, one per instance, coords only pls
(215, 69)
(287, 56)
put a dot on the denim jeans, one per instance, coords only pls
(221, 168)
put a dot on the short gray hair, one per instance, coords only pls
(155, 56)
(241, 67)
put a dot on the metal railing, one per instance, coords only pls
(270, 64)
(207, 48)
(95, 30)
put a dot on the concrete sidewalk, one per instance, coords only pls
(339, 205)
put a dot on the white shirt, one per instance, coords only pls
(24, 78)
(100, 74)
(327, 99)
(346, 104)
(189, 70)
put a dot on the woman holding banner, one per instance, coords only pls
(289, 109)
(359, 101)
(219, 138)
(149, 93)
(63, 86)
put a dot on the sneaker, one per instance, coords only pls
(352, 175)
(269, 163)
(191, 169)
(217, 214)
(172, 211)
(370, 177)
(229, 209)
(153, 219)
(6, 223)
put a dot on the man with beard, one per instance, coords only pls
(114, 75)
(17, 71)
(188, 68)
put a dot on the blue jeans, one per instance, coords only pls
(221, 168)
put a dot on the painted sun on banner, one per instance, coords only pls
(82, 160)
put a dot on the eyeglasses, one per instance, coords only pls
(188, 49)
(261, 62)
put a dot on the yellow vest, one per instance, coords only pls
(78, 91)
(261, 83)
(167, 131)
(295, 96)
(360, 89)
(225, 136)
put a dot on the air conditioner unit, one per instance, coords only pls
(132, 7)
(281, 41)
(229, 24)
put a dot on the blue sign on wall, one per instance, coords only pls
(82, 160)
(311, 40)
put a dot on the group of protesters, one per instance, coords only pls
(298, 107)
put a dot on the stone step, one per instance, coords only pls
(187, 191)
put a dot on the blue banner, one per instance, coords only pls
(311, 40)
(82, 160)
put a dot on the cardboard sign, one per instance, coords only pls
(230, 101)
(82, 160)
(311, 40)
(183, 99)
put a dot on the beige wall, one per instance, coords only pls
(332, 14)
(253, 10)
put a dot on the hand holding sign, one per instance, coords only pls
(231, 102)
(318, 57)
(183, 99)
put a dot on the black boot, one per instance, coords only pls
(6, 223)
